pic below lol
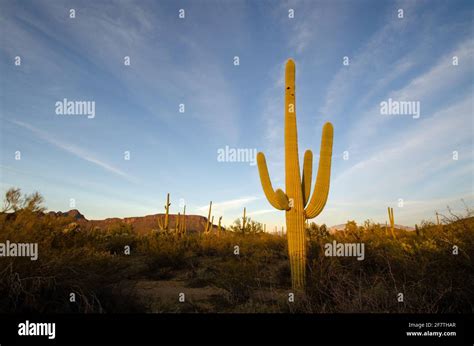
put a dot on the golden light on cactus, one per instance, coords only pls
(178, 225)
(219, 227)
(244, 219)
(183, 224)
(392, 221)
(208, 227)
(296, 201)
(165, 225)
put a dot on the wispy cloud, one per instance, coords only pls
(262, 211)
(427, 147)
(72, 149)
(230, 204)
(424, 88)
(368, 65)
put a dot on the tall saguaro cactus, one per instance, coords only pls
(296, 201)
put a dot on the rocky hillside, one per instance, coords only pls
(141, 224)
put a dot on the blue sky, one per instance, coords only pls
(190, 61)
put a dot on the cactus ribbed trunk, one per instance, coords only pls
(392, 221)
(295, 215)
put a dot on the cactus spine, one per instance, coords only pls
(298, 189)
(392, 221)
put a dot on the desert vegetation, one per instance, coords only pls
(239, 269)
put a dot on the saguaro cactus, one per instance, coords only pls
(219, 227)
(296, 201)
(244, 220)
(392, 221)
(208, 227)
(183, 224)
(177, 227)
(165, 225)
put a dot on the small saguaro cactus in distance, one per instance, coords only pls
(219, 227)
(177, 229)
(392, 221)
(208, 227)
(165, 225)
(296, 201)
(437, 218)
(183, 224)
(244, 219)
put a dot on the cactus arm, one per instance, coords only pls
(277, 198)
(160, 223)
(307, 175)
(321, 189)
(210, 210)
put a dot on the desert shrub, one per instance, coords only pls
(75, 257)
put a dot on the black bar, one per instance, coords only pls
(291, 329)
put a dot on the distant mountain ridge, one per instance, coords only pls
(144, 224)
(140, 224)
